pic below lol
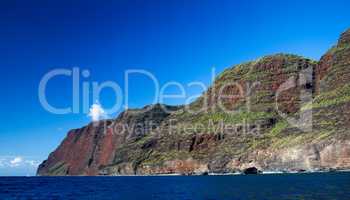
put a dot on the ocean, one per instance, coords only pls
(308, 186)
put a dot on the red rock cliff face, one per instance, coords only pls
(81, 152)
(84, 151)
(152, 148)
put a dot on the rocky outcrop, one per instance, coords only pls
(84, 151)
(258, 103)
(319, 156)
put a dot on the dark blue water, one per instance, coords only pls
(316, 186)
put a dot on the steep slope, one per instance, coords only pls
(281, 112)
(84, 151)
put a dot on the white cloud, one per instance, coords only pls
(96, 112)
(15, 162)
(33, 163)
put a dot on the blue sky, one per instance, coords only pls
(175, 40)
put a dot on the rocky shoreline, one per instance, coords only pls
(242, 173)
